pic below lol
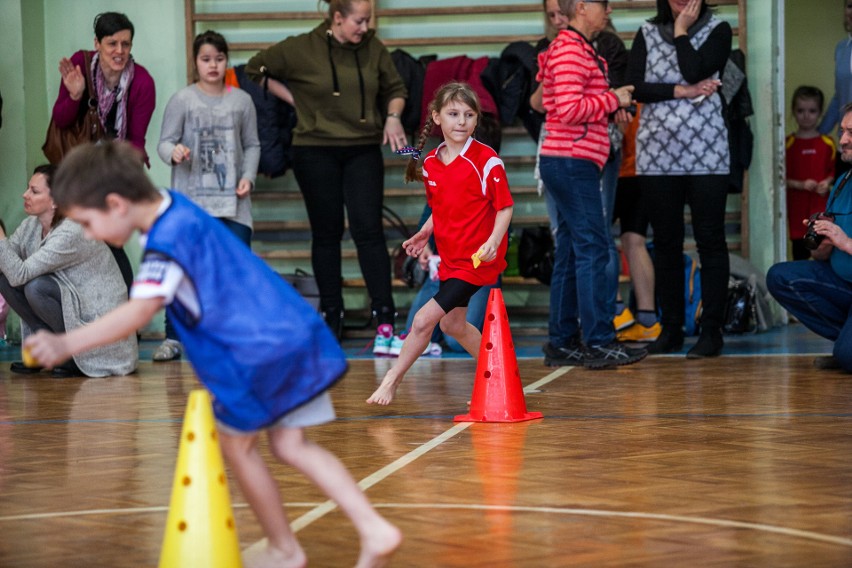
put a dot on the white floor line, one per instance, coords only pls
(724, 523)
(395, 466)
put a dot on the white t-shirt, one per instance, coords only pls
(161, 277)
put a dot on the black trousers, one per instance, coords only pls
(351, 178)
(706, 196)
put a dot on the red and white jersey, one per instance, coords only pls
(465, 196)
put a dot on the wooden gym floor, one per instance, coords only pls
(745, 460)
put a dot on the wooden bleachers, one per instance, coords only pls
(445, 28)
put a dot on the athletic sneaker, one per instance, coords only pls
(571, 354)
(168, 350)
(612, 355)
(432, 350)
(623, 320)
(384, 338)
(639, 333)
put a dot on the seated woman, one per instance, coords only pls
(56, 279)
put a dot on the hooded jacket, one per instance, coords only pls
(341, 91)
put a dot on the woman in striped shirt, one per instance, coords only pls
(579, 102)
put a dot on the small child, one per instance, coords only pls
(263, 352)
(209, 138)
(471, 209)
(810, 166)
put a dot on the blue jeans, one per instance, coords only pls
(578, 289)
(609, 181)
(475, 311)
(819, 298)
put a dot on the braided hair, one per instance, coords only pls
(449, 92)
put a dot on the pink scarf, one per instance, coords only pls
(107, 97)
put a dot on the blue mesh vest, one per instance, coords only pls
(259, 348)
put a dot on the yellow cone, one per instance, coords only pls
(200, 529)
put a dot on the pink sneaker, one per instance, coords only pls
(384, 338)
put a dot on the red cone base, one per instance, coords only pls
(497, 392)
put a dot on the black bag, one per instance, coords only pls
(306, 285)
(405, 268)
(535, 254)
(740, 308)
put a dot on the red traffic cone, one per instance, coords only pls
(497, 392)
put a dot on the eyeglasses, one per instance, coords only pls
(604, 2)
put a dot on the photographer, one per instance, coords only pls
(819, 292)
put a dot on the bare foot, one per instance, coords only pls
(261, 555)
(385, 393)
(378, 548)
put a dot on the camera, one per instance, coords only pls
(812, 239)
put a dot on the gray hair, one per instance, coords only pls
(569, 8)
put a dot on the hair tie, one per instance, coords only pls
(409, 151)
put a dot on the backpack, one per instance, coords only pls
(741, 306)
(691, 295)
(275, 122)
(535, 254)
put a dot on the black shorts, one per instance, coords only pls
(454, 293)
(630, 209)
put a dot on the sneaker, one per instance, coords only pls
(396, 344)
(612, 355)
(623, 320)
(169, 350)
(571, 354)
(432, 350)
(639, 333)
(384, 339)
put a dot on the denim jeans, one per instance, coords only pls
(38, 302)
(609, 182)
(475, 311)
(578, 289)
(819, 298)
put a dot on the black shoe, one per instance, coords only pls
(669, 341)
(612, 355)
(20, 368)
(571, 354)
(827, 362)
(709, 344)
(66, 372)
(334, 320)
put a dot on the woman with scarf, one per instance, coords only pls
(682, 157)
(349, 99)
(124, 91)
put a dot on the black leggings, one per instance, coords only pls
(707, 197)
(332, 178)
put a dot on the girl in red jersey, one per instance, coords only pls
(467, 189)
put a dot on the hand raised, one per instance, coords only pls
(72, 78)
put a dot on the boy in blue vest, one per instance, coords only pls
(265, 354)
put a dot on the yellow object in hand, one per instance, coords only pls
(29, 360)
(475, 258)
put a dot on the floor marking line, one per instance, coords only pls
(810, 535)
(633, 515)
(377, 476)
